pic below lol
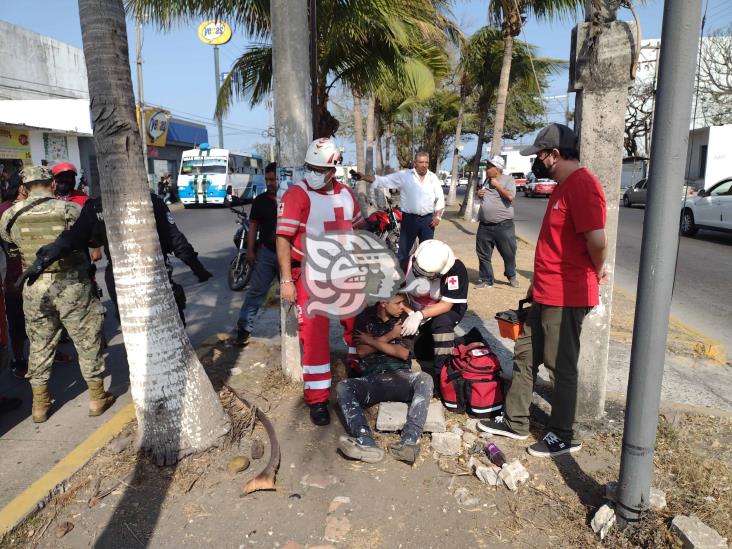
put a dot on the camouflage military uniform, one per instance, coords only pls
(62, 297)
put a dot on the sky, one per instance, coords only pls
(178, 70)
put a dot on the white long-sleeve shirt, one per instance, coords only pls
(415, 196)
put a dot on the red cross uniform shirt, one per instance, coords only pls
(305, 211)
(452, 287)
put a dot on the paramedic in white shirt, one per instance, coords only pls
(421, 200)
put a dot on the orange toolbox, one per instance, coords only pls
(511, 322)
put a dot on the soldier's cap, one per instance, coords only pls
(32, 174)
(553, 136)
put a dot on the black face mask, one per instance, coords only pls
(540, 170)
(64, 188)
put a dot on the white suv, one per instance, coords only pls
(708, 209)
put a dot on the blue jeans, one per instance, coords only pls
(413, 226)
(265, 270)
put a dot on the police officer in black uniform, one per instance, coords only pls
(90, 231)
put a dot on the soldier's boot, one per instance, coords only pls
(41, 403)
(99, 399)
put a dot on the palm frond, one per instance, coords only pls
(249, 78)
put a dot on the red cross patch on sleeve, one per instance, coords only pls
(453, 283)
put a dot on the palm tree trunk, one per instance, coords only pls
(362, 188)
(358, 129)
(387, 145)
(178, 411)
(378, 130)
(502, 96)
(452, 193)
(467, 207)
(370, 116)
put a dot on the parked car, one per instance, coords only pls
(635, 195)
(540, 187)
(463, 182)
(520, 179)
(708, 209)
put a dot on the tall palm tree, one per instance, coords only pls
(178, 411)
(510, 14)
(480, 63)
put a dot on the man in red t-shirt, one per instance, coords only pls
(311, 207)
(568, 267)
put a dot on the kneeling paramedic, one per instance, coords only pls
(437, 285)
(385, 358)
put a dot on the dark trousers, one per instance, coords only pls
(265, 270)
(551, 336)
(502, 236)
(436, 341)
(358, 393)
(413, 226)
(16, 322)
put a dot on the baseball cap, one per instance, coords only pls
(35, 173)
(63, 167)
(498, 162)
(554, 136)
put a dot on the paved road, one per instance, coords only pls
(28, 450)
(702, 296)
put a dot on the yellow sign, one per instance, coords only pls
(14, 144)
(214, 33)
(157, 122)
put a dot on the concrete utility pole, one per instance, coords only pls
(140, 98)
(603, 53)
(679, 41)
(293, 128)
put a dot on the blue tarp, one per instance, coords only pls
(185, 133)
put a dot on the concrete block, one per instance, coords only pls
(392, 416)
(447, 444)
(694, 534)
(512, 474)
(603, 520)
(487, 474)
(435, 418)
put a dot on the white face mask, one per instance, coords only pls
(315, 180)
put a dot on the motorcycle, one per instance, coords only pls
(385, 224)
(239, 269)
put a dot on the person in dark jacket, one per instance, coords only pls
(89, 230)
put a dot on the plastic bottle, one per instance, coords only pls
(495, 454)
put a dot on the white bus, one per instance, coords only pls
(219, 177)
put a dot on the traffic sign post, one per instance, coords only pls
(216, 33)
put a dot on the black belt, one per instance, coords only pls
(489, 224)
(418, 215)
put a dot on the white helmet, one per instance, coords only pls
(323, 153)
(432, 258)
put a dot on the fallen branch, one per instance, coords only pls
(266, 479)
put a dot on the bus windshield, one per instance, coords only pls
(197, 166)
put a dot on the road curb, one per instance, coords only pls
(35, 497)
(698, 343)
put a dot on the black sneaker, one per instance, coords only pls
(496, 426)
(319, 413)
(551, 445)
(242, 338)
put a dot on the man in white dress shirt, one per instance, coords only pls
(420, 198)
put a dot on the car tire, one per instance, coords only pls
(626, 202)
(688, 227)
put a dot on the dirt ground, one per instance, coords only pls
(389, 504)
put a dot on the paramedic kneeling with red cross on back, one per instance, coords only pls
(437, 286)
(312, 207)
